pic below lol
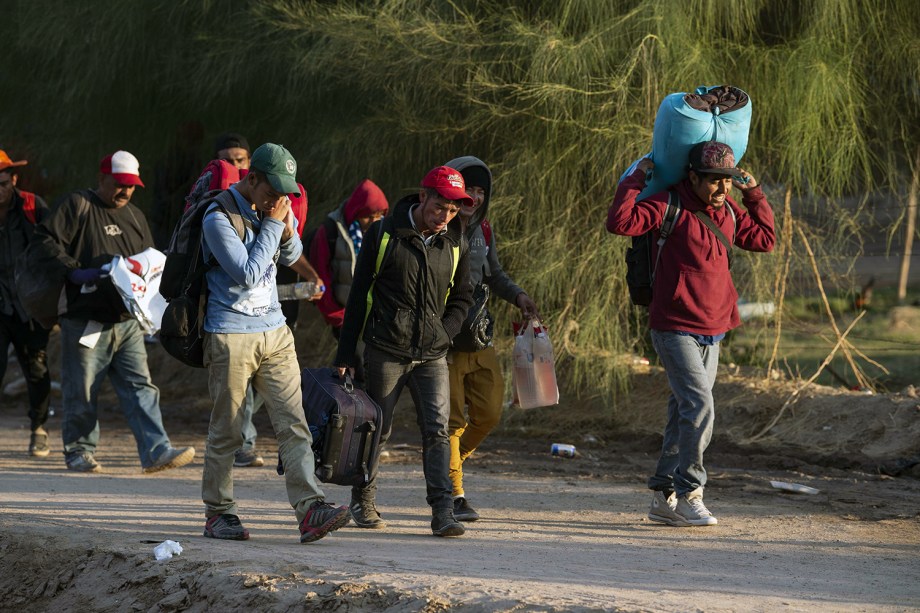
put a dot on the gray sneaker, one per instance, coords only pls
(172, 458)
(38, 443)
(364, 513)
(247, 457)
(662, 510)
(690, 507)
(321, 519)
(225, 526)
(82, 462)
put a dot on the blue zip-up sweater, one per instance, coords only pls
(243, 295)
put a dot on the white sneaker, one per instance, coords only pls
(662, 510)
(691, 509)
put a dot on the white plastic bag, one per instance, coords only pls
(137, 280)
(534, 375)
(166, 550)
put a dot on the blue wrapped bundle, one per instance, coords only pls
(721, 113)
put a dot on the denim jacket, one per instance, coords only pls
(243, 296)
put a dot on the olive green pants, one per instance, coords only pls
(268, 361)
(476, 384)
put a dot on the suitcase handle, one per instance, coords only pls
(348, 383)
(368, 428)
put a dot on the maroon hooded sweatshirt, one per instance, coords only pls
(693, 289)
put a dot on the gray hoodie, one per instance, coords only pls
(483, 258)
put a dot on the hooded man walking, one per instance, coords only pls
(477, 386)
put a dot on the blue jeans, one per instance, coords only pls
(121, 354)
(251, 406)
(691, 369)
(428, 382)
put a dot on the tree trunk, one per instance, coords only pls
(911, 228)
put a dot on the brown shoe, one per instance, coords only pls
(38, 443)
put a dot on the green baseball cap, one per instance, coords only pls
(276, 163)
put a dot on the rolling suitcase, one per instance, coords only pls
(346, 427)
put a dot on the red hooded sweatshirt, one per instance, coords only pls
(693, 289)
(365, 200)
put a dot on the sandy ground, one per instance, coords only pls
(556, 534)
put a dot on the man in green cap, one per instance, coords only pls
(246, 340)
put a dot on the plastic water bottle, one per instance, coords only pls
(525, 383)
(297, 291)
(545, 370)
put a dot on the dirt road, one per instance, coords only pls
(555, 535)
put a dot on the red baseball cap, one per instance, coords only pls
(6, 162)
(123, 166)
(449, 183)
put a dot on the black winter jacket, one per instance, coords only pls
(15, 235)
(409, 317)
(83, 232)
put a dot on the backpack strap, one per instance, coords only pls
(227, 204)
(486, 231)
(718, 233)
(670, 219)
(383, 243)
(28, 206)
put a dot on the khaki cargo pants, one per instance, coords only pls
(269, 361)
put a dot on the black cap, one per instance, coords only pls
(230, 140)
(476, 176)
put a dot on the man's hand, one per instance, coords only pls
(748, 181)
(283, 213)
(341, 370)
(528, 307)
(645, 165)
(303, 268)
(281, 210)
(85, 276)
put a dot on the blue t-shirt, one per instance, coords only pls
(702, 339)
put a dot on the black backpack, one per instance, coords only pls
(640, 269)
(183, 283)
